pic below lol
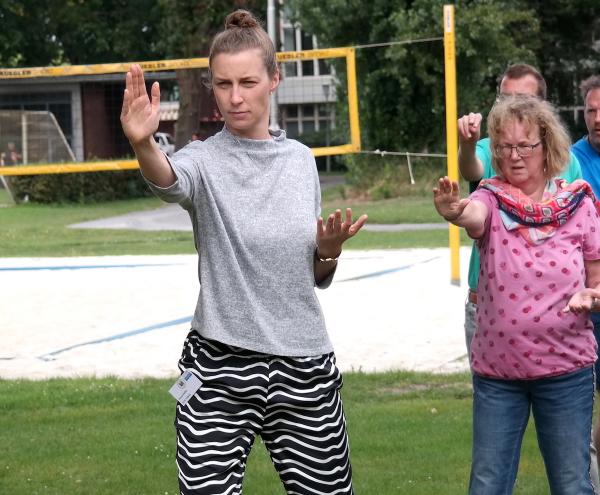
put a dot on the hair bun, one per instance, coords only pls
(241, 19)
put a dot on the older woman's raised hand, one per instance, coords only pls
(446, 198)
(140, 113)
(583, 301)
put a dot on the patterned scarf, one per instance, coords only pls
(537, 222)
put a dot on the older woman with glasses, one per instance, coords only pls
(539, 279)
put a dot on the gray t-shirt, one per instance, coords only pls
(253, 206)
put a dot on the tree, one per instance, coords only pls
(74, 32)
(569, 49)
(77, 32)
(401, 87)
(186, 33)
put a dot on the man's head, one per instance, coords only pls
(522, 79)
(590, 92)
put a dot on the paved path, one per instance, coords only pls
(173, 217)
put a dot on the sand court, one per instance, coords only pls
(128, 316)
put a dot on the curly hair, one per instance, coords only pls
(244, 32)
(531, 112)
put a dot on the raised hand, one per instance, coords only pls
(469, 127)
(332, 234)
(446, 198)
(139, 115)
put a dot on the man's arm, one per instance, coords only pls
(469, 131)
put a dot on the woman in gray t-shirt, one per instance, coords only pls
(258, 354)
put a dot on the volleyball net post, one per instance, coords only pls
(451, 132)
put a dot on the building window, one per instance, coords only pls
(294, 39)
(306, 119)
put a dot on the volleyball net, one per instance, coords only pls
(65, 119)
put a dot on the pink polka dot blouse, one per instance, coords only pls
(521, 332)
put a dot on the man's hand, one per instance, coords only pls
(469, 128)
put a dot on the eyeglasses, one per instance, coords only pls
(523, 150)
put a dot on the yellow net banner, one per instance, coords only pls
(157, 65)
(351, 144)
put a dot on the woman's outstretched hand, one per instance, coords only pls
(583, 301)
(446, 198)
(140, 113)
(333, 233)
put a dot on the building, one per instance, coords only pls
(87, 107)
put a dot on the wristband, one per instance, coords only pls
(325, 259)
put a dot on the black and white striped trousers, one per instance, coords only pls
(293, 403)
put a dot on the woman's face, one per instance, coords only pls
(517, 169)
(242, 88)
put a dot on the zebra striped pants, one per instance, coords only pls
(294, 404)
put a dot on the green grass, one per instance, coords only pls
(409, 433)
(5, 198)
(41, 230)
(400, 240)
(31, 230)
(408, 209)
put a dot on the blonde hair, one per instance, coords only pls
(244, 32)
(531, 112)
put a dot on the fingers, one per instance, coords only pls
(348, 216)
(338, 220)
(469, 125)
(574, 308)
(127, 93)
(129, 81)
(133, 70)
(579, 303)
(155, 93)
(331, 221)
(138, 83)
(446, 186)
(463, 127)
(356, 226)
(454, 187)
(125, 107)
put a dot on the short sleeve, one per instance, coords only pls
(591, 231)
(487, 198)
(573, 170)
(187, 172)
(484, 154)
